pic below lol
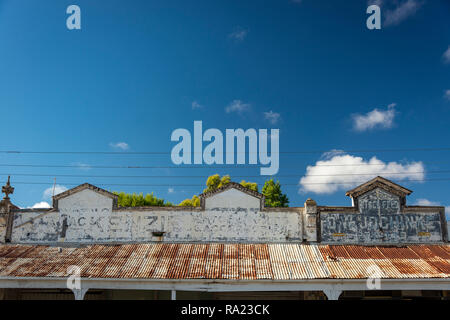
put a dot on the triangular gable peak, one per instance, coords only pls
(232, 186)
(82, 187)
(379, 194)
(379, 182)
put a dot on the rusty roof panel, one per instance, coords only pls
(162, 267)
(131, 267)
(4, 263)
(197, 263)
(10, 265)
(443, 266)
(19, 251)
(5, 249)
(230, 265)
(431, 251)
(125, 250)
(114, 268)
(296, 263)
(180, 265)
(357, 252)
(214, 258)
(21, 267)
(278, 261)
(263, 268)
(227, 261)
(246, 262)
(150, 261)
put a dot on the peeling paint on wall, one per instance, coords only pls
(87, 214)
(90, 218)
(380, 220)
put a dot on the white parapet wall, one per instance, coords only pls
(88, 216)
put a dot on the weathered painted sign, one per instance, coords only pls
(87, 217)
(380, 220)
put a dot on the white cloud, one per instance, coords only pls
(340, 171)
(446, 55)
(237, 106)
(426, 202)
(374, 119)
(82, 166)
(447, 94)
(401, 12)
(239, 34)
(272, 117)
(41, 205)
(48, 193)
(171, 190)
(196, 105)
(120, 145)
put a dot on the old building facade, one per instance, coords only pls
(231, 243)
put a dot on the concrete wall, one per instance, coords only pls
(2, 227)
(89, 216)
(381, 218)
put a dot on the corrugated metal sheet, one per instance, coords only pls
(227, 261)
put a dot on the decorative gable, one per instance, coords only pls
(379, 194)
(378, 201)
(382, 217)
(81, 188)
(232, 195)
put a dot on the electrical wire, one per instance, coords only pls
(168, 152)
(202, 185)
(240, 176)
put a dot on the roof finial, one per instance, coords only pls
(7, 189)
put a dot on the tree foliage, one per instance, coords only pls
(250, 185)
(274, 196)
(271, 191)
(194, 202)
(138, 200)
(215, 182)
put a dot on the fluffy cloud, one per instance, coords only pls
(82, 166)
(41, 205)
(426, 202)
(446, 55)
(196, 105)
(237, 106)
(272, 117)
(374, 119)
(340, 171)
(238, 34)
(48, 193)
(401, 12)
(120, 145)
(447, 94)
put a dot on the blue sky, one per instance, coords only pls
(137, 70)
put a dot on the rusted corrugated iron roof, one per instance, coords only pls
(227, 261)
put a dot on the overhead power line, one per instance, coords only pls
(240, 176)
(168, 152)
(202, 185)
(229, 166)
